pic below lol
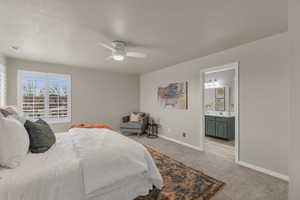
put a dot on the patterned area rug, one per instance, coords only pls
(182, 182)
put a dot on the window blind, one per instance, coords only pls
(45, 95)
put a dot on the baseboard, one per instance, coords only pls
(182, 143)
(241, 163)
(263, 170)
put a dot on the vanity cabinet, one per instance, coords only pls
(221, 127)
(210, 126)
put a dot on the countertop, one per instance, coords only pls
(218, 115)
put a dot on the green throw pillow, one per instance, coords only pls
(41, 136)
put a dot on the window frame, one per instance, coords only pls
(3, 85)
(46, 76)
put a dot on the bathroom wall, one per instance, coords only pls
(225, 78)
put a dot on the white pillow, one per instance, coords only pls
(17, 117)
(14, 142)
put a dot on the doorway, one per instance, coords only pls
(220, 111)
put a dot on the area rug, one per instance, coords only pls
(182, 182)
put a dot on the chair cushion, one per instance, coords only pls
(132, 125)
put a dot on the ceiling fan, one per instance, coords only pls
(118, 49)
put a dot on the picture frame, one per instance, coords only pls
(174, 95)
(220, 93)
(220, 104)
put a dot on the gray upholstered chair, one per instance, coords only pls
(134, 127)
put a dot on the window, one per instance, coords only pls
(45, 95)
(2, 85)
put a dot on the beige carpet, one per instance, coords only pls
(241, 183)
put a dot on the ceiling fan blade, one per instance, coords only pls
(109, 58)
(136, 55)
(106, 46)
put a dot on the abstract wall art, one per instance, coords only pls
(173, 95)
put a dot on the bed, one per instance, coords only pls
(84, 164)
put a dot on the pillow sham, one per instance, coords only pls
(5, 110)
(41, 136)
(14, 143)
(12, 113)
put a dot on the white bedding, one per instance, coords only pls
(110, 157)
(85, 164)
(48, 176)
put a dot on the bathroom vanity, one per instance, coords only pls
(220, 126)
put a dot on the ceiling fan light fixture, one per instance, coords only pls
(118, 57)
(118, 51)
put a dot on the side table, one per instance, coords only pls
(152, 131)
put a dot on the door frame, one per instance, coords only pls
(234, 66)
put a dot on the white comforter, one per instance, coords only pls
(82, 163)
(110, 157)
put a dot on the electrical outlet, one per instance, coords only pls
(183, 134)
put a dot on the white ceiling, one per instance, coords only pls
(169, 31)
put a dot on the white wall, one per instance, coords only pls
(2, 59)
(97, 96)
(294, 164)
(264, 100)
